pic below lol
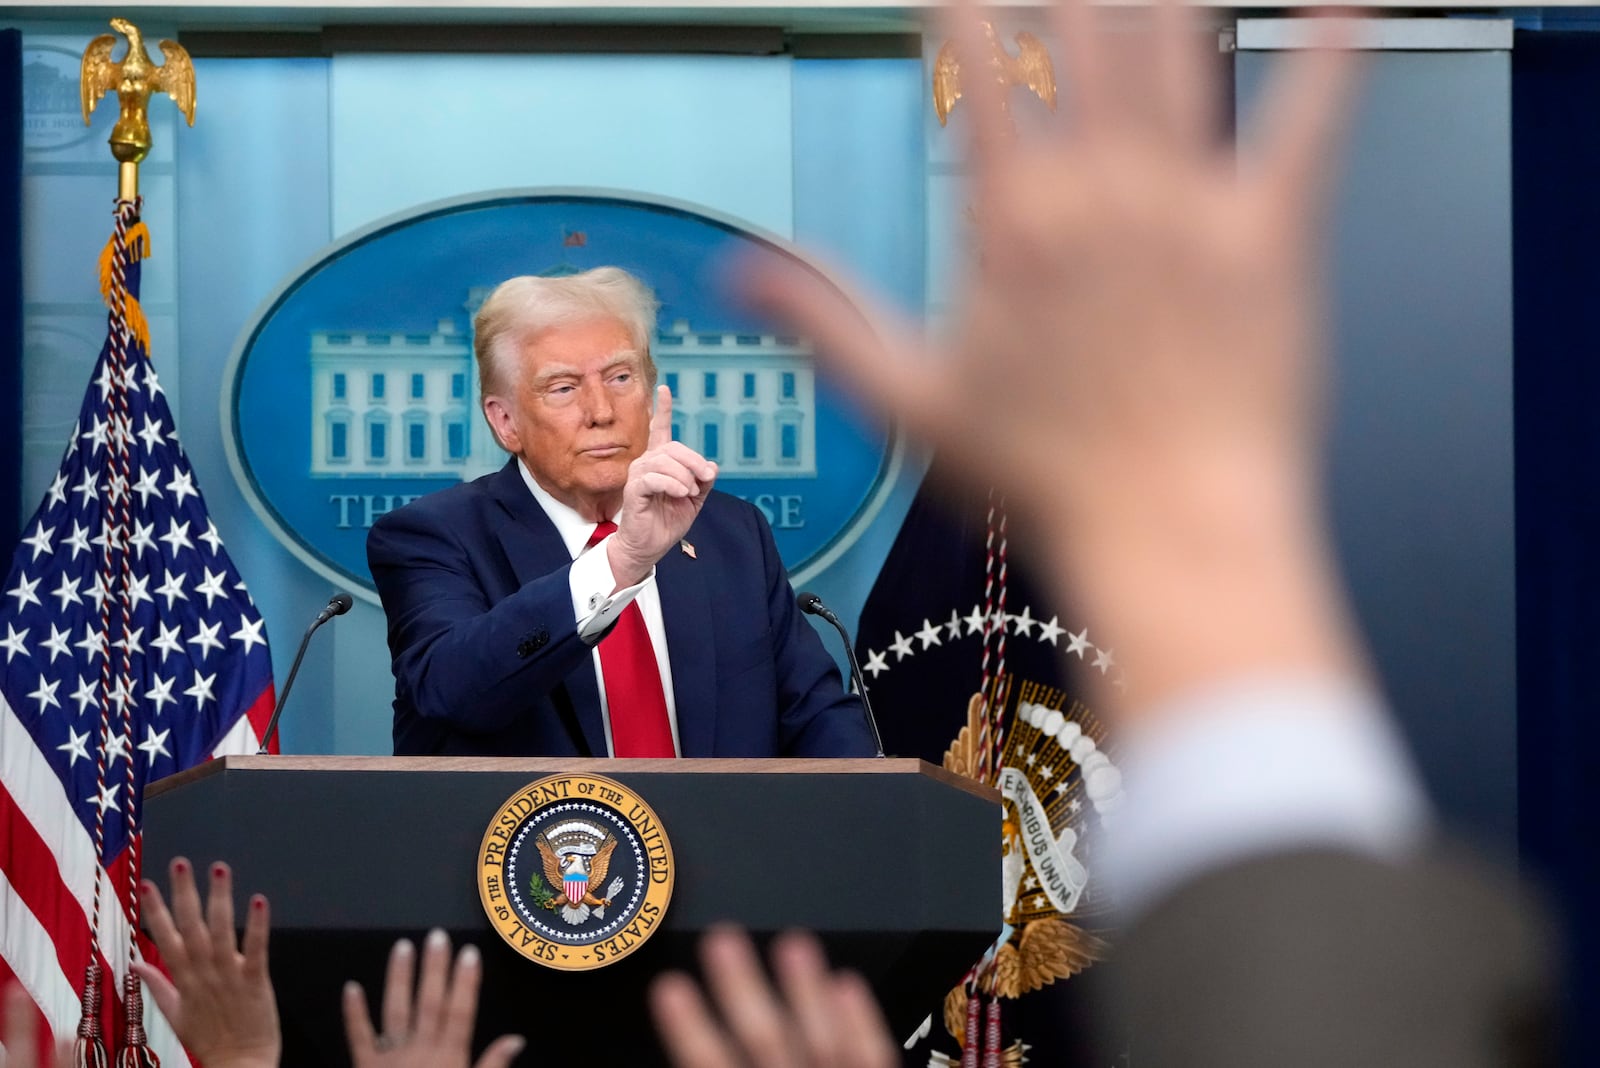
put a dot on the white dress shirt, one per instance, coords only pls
(596, 607)
(1256, 766)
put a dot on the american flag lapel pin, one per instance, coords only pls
(688, 550)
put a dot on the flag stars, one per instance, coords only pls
(152, 384)
(250, 633)
(117, 749)
(138, 590)
(182, 485)
(122, 692)
(201, 690)
(86, 488)
(147, 484)
(901, 646)
(151, 434)
(168, 641)
(929, 634)
(105, 381)
(877, 663)
(177, 536)
(76, 747)
(23, 591)
(206, 638)
(212, 586)
(12, 643)
(79, 538)
(86, 694)
(67, 592)
(96, 434)
(975, 621)
(57, 643)
(160, 693)
(105, 798)
(154, 744)
(116, 487)
(99, 593)
(93, 643)
(45, 694)
(58, 489)
(1078, 643)
(141, 541)
(172, 589)
(213, 539)
(40, 541)
(132, 642)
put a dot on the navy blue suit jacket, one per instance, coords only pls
(488, 661)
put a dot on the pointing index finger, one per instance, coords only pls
(661, 421)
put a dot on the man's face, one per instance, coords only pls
(575, 407)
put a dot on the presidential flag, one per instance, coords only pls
(129, 649)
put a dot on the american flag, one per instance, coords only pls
(129, 649)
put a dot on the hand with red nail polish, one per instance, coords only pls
(814, 1019)
(219, 998)
(432, 1030)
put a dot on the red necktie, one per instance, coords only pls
(639, 724)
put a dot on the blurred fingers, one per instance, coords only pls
(1186, 89)
(163, 929)
(159, 987)
(984, 100)
(428, 1019)
(187, 915)
(873, 356)
(802, 974)
(461, 1003)
(661, 418)
(257, 926)
(219, 912)
(21, 1032)
(358, 1030)
(397, 988)
(1303, 119)
(502, 1051)
(745, 999)
(691, 1035)
(864, 1033)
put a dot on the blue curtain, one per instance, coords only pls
(10, 289)
(1556, 163)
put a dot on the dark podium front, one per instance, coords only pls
(894, 863)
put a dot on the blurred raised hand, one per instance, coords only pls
(1137, 357)
(433, 1027)
(812, 1019)
(219, 998)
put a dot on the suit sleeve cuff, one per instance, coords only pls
(594, 604)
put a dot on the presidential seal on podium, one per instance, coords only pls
(575, 872)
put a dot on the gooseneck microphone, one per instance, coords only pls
(812, 605)
(337, 605)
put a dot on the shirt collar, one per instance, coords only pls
(573, 527)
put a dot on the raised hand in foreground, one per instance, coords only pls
(19, 1030)
(814, 1018)
(1137, 361)
(219, 1000)
(432, 1030)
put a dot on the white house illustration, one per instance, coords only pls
(394, 404)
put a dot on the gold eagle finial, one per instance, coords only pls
(134, 78)
(1030, 67)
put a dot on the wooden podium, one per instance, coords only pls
(894, 863)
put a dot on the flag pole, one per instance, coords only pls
(134, 78)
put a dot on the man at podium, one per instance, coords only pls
(595, 596)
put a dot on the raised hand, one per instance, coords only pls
(1137, 363)
(433, 1030)
(219, 1000)
(666, 488)
(19, 1030)
(813, 1020)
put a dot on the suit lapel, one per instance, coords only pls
(691, 648)
(534, 548)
